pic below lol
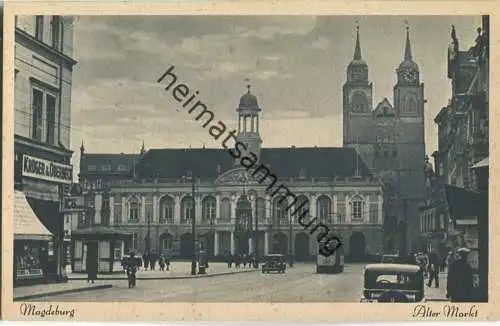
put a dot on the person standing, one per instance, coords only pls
(162, 262)
(434, 263)
(91, 269)
(152, 260)
(460, 285)
(145, 259)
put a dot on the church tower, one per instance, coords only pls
(357, 107)
(409, 109)
(248, 123)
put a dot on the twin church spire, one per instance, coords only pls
(358, 69)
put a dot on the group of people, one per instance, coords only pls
(240, 259)
(149, 260)
(460, 284)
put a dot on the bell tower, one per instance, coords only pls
(357, 106)
(248, 123)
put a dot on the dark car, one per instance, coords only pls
(275, 262)
(392, 283)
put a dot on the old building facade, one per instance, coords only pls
(457, 214)
(150, 195)
(390, 139)
(42, 157)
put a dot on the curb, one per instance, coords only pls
(47, 294)
(109, 278)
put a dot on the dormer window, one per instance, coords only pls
(106, 167)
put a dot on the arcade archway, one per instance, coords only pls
(357, 244)
(186, 245)
(280, 244)
(302, 247)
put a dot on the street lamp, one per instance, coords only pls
(256, 234)
(290, 252)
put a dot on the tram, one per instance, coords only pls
(332, 264)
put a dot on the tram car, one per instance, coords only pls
(332, 264)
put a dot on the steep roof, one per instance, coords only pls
(98, 163)
(208, 163)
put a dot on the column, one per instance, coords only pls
(177, 210)
(380, 212)
(98, 206)
(111, 208)
(124, 209)
(217, 207)
(155, 217)
(143, 217)
(268, 210)
(313, 207)
(232, 242)
(216, 243)
(250, 247)
(334, 210)
(198, 209)
(233, 210)
(366, 209)
(266, 243)
(347, 209)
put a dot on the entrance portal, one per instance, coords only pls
(302, 247)
(280, 245)
(357, 246)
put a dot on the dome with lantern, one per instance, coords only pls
(249, 101)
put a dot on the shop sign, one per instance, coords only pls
(46, 170)
(73, 204)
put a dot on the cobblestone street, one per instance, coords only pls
(298, 284)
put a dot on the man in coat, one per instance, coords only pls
(460, 286)
(434, 264)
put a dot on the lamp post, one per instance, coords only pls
(193, 226)
(290, 252)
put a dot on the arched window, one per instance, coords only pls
(208, 209)
(359, 102)
(225, 209)
(261, 208)
(280, 210)
(356, 208)
(302, 210)
(133, 209)
(187, 209)
(324, 206)
(410, 104)
(167, 205)
(105, 209)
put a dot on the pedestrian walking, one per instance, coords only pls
(237, 261)
(162, 262)
(229, 259)
(152, 260)
(460, 287)
(145, 259)
(91, 267)
(434, 263)
(244, 261)
(167, 262)
(450, 259)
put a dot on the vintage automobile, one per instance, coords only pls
(274, 262)
(392, 283)
(390, 259)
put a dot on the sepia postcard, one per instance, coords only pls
(249, 161)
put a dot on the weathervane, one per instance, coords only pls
(357, 25)
(248, 85)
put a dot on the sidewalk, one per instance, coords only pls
(439, 294)
(30, 292)
(178, 270)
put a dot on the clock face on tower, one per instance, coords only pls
(409, 76)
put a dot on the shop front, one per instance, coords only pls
(32, 244)
(40, 186)
(105, 245)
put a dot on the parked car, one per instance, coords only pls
(274, 262)
(392, 283)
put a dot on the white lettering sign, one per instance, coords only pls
(46, 170)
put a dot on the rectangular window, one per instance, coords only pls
(37, 119)
(373, 213)
(56, 31)
(357, 210)
(51, 118)
(39, 27)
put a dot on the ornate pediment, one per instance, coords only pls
(239, 176)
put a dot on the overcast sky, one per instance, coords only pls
(296, 64)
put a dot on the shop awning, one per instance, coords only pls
(465, 203)
(482, 164)
(27, 226)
